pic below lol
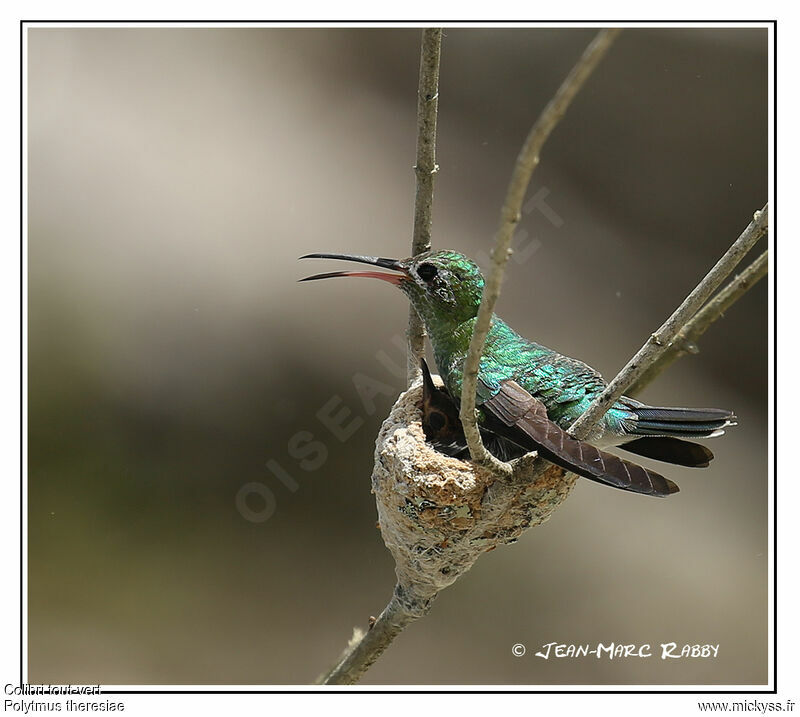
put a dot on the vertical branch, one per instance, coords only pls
(360, 655)
(509, 218)
(659, 342)
(425, 169)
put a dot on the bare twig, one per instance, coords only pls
(425, 168)
(509, 218)
(370, 647)
(364, 651)
(659, 342)
(686, 340)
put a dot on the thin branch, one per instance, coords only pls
(686, 340)
(509, 218)
(360, 656)
(659, 342)
(370, 647)
(425, 168)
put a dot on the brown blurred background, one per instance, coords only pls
(175, 175)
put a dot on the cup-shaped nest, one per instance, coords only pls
(437, 514)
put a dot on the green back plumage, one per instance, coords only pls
(448, 305)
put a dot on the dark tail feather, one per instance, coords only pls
(671, 450)
(513, 413)
(681, 422)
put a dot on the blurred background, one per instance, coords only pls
(177, 533)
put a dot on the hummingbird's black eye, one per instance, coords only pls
(426, 272)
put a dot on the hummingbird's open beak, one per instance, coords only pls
(393, 264)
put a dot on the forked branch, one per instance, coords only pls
(686, 341)
(659, 342)
(668, 343)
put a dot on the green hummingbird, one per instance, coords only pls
(527, 394)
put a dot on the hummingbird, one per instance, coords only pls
(528, 395)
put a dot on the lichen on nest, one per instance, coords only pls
(438, 514)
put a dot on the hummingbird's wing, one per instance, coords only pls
(517, 416)
(443, 430)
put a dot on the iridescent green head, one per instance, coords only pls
(445, 287)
